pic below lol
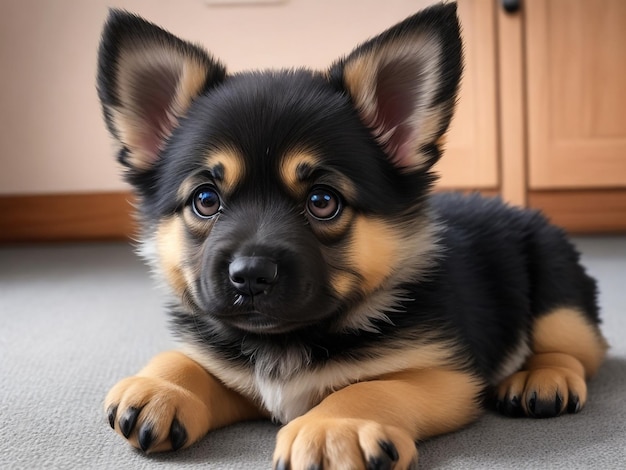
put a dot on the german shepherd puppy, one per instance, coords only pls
(315, 279)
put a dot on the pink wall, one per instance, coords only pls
(52, 138)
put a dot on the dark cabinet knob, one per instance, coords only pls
(511, 6)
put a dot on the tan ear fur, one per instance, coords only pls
(403, 84)
(417, 71)
(143, 134)
(147, 80)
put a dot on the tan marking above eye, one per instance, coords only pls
(226, 163)
(291, 166)
(231, 166)
(297, 166)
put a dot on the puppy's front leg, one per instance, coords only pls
(173, 402)
(374, 424)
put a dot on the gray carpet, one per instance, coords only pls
(74, 319)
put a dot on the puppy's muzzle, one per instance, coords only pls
(253, 275)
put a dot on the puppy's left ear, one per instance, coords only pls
(404, 83)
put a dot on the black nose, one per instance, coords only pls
(253, 275)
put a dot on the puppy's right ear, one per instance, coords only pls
(147, 79)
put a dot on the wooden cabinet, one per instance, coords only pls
(576, 82)
(554, 82)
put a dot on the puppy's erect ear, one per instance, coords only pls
(404, 82)
(147, 79)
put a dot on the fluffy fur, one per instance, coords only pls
(314, 277)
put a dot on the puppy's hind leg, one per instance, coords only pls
(568, 348)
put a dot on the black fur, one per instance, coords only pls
(503, 267)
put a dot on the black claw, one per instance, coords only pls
(178, 435)
(146, 437)
(281, 465)
(515, 407)
(541, 408)
(511, 407)
(128, 420)
(380, 462)
(573, 404)
(499, 407)
(390, 449)
(111, 413)
(385, 460)
(558, 403)
(532, 403)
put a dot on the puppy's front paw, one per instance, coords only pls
(342, 443)
(156, 415)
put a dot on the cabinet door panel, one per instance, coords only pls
(470, 160)
(576, 75)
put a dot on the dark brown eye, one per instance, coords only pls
(323, 203)
(206, 201)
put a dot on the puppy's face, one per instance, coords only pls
(278, 200)
(264, 217)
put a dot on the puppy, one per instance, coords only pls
(314, 278)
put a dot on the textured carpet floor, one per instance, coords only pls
(74, 319)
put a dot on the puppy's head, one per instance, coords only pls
(277, 200)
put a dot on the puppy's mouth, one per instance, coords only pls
(252, 314)
(255, 321)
